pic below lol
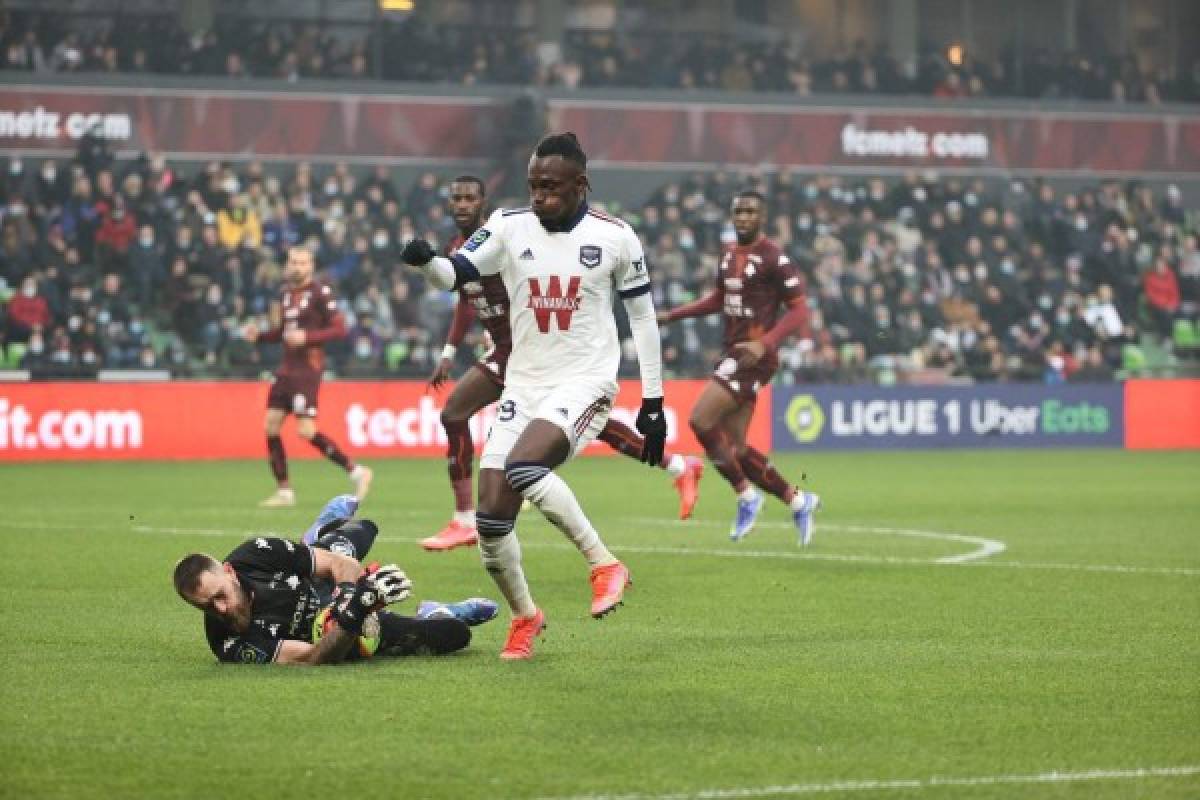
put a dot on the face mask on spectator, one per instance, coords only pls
(686, 240)
(15, 167)
(230, 185)
(380, 241)
(331, 188)
(49, 174)
(811, 191)
(1081, 223)
(29, 289)
(37, 345)
(804, 222)
(147, 239)
(74, 323)
(1035, 322)
(362, 348)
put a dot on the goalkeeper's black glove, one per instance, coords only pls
(652, 424)
(376, 587)
(417, 252)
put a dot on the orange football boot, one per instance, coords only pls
(521, 632)
(455, 534)
(608, 587)
(688, 486)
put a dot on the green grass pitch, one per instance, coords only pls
(897, 657)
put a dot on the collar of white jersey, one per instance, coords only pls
(570, 224)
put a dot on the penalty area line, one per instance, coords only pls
(984, 547)
(933, 782)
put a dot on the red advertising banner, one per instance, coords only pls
(103, 421)
(689, 135)
(1162, 415)
(616, 133)
(282, 124)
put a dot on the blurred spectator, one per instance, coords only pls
(1162, 296)
(28, 312)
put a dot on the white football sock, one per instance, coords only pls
(798, 500)
(502, 559)
(676, 465)
(748, 495)
(465, 518)
(557, 503)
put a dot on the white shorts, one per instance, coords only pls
(580, 409)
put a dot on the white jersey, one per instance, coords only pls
(560, 288)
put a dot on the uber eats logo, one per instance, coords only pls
(804, 418)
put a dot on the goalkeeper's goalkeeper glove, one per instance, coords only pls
(417, 252)
(652, 424)
(376, 587)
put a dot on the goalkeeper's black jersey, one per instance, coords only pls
(278, 576)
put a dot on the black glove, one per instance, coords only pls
(652, 424)
(417, 252)
(376, 587)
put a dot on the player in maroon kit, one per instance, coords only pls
(309, 319)
(487, 300)
(754, 280)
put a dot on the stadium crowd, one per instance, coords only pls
(141, 265)
(416, 51)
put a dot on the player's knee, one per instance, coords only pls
(524, 475)
(492, 527)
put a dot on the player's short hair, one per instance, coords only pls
(188, 572)
(472, 179)
(562, 144)
(753, 194)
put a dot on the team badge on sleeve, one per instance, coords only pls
(477, 239)
(589, 255)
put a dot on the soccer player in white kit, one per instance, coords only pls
(561, 262)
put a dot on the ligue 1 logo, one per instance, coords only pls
(804, 418)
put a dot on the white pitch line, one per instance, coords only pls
(983, 547)
(785, 555)
(934, 782)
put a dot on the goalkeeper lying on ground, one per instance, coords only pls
(274, 600)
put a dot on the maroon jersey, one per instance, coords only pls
(487, 299)
(753, 283)
(313, 309)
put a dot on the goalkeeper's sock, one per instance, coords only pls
(558, 504)
(501, 554)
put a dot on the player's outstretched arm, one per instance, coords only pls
(651, 422)
(438, 270)
(711, 303)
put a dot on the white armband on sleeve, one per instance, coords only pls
(440, 272)
(646, 339)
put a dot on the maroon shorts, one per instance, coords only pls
(494, 364)
(295, 394)
(744, 382)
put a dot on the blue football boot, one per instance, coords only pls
(340, 508)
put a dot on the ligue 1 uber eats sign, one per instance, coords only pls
(969, 416)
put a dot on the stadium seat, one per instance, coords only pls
(1133, 360)
(395, 355)
(1185, 335)
(15, 352)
